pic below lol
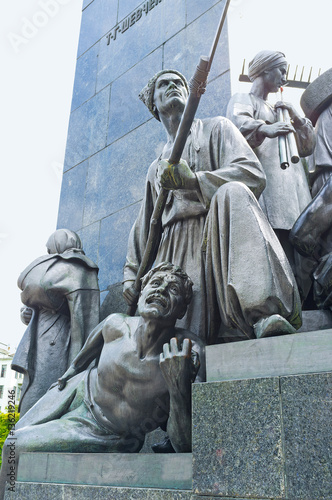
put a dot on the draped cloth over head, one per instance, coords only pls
(146, 94)
(62, 240)
(265, 60)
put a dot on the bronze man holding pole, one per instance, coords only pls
(213, 226)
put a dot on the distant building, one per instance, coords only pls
(9, 379)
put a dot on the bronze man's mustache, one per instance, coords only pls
(156, 297)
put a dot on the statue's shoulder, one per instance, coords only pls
(217, 126)
(209, 125)
(117, 324)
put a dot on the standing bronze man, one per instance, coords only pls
(287, 192)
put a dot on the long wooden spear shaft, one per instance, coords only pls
(197, 86)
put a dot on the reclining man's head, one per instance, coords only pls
(165, 294)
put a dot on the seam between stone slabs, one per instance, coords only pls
(203, 13)
(109, 215)
(107, 145)
(185, 26)
(282, 437)
(135, 128)
(161, 46)
(118, 22)
(121, 209)
(219, 76)
(87, 6)
(85, 188)
(98, 221)
(134, 65)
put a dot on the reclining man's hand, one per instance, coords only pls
(178, 366)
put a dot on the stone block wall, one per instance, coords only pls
(112, 137)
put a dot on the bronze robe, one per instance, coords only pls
(218, 154)
(62, 289)
(287, 191)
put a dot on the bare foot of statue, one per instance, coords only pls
(272, 326)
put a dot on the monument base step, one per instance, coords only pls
(38, 491)
(260, 432)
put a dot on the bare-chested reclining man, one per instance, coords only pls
(142, 380)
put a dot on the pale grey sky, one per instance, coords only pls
(36, 88)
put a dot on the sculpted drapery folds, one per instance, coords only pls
(61, 297)
(232, 255)
(287, 192)
(312, 233)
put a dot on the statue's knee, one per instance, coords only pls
(232, 190)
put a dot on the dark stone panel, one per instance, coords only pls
(85, 77)
(237, 439)
(306, 419)
(72, 198)
(87, 129)
(116, 175)
(97, 18)
(199, 497)
(114, 233)
(126, 110)
(214, 102)
(90, 240)
(182, 52)
(143, 37)
(37, 491)
(196, 8)
(103, 296)
(113, 301)
(113, 493)
(127, 7)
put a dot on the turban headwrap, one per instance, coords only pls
(146, 94)
(263, 61)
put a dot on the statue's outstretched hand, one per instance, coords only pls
(26, 315)
(178, 366)
(176, 176)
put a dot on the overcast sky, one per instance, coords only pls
(36, 88)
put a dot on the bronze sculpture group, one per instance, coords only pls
(226, 223)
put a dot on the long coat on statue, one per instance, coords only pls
(219, 236)
(62, 289)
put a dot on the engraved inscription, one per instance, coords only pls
(130, 20)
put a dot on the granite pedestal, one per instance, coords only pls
(260, 431)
